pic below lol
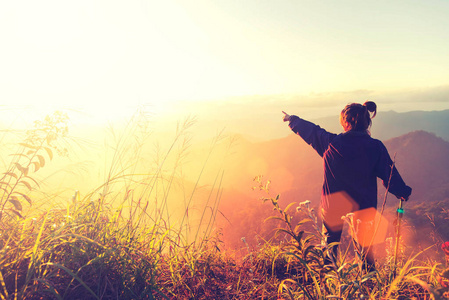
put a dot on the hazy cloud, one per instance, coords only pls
(318, 104)
(261, 115)
(431, 94)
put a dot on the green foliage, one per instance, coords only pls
(431, 218)
(75, 253)
(108, 245)
(38, 146)
(344, 279)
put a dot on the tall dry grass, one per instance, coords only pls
(415, 276)
(122, 240)
(110, 242)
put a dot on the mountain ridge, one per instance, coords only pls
(390, 124)
(296, 173)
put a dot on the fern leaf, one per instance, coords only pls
(289, 206)
(17, 213)
(27, 184)
(34, 181)
(282, 230)
(37, 166)
(22, 169)
(302, 222)
(49, 152)
(16, 203)
(41, 160)
(273, 218)
(27, 198)
(12, 174)
(299, 235)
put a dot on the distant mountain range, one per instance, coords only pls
(423, 160)
(296, 172)
(295, 169)
(390, 124)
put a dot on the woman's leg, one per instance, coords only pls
(365, 234)
(332, 236)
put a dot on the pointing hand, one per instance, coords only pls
(286, 117)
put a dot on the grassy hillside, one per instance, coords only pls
(92, 251)
(151, 235)
(296, 173)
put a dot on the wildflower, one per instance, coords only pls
(444, 282)
(303, 204)
(349, 217)
(445, 247)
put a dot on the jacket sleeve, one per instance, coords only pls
(312, 134)
(390, 176)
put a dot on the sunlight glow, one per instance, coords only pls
(108, 57)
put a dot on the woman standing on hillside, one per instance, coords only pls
(352, 162)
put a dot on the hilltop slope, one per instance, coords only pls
(423, 160)
(296, 173)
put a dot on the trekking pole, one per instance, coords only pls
(400, 212)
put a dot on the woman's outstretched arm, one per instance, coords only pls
(312, 134)
(390, 176)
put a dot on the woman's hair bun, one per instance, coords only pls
(371, 107)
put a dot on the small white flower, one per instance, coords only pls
(349, 217)
(305, 203)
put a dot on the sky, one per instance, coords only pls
(101, 60)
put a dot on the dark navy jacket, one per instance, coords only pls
(352, 162)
